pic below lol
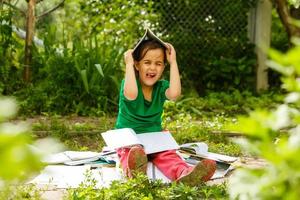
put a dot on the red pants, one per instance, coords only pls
(168, 162)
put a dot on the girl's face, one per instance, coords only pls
(151, 67)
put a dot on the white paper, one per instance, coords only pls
(219, 157)
(80, 162)
(199, 147)
(61, 176)
(221, 173)
(157, 142)
(154, 173)
(152, 142)
(69, 156)
(120, 138)
(56, 158)
(79, 155)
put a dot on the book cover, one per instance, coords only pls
(148, 35)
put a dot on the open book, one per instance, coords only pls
(195, 152)
(76, 157)
(152, 142)
(148, 36)
(200, 149)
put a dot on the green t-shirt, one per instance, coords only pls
(139, 114)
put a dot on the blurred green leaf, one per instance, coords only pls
(280, 178)
(85, 80)
(18, 160)
(99, 68)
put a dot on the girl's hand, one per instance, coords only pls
(171, 54)
(128, 58)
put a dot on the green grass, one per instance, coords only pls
(20, 192)
(77, 133)
(143, 188)
(190, 120)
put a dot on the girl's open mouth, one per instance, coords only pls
(150, 75)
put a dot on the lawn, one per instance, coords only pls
(189, 120)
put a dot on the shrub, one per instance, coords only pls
(83, 79)
(143, 188)
(211, 41)
(18, 160)
(280, 179)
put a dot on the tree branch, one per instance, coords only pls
(284, 12)
(284, 15)
(50, 10)
(15, 8)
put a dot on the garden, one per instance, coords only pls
(62, 66)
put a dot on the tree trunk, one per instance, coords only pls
(286, 14)
(30, 26)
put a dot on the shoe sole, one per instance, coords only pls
(202, 172)
(137, 162)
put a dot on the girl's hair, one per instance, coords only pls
(145, 46)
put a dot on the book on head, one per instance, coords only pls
(149, 35)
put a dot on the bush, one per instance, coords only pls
(11, 49)
(229, 104)
(83, 79)
(18, 160)
(211, 41)
(143, 188)
(280, 179)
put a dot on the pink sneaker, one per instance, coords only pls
(136, 161)
(204, 170)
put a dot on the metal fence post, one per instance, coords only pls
(260, 34)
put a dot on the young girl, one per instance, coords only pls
(141, 102)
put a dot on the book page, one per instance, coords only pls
(79, 155)
(57, 158)
(69, 156)
(222, 171)
(157, 142)
(220, 157)
(120, 138)
(195, 147)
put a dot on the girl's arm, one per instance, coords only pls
(174, 90)
(130, 86)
